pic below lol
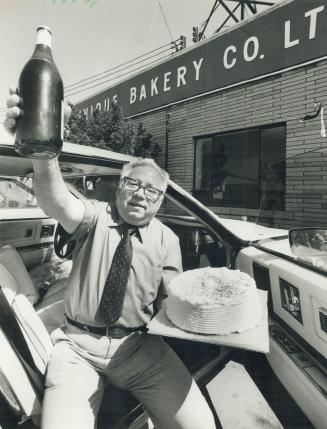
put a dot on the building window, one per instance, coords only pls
(243, 169)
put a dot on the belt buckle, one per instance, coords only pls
(115, 332)
(86, 328)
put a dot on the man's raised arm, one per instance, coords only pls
(53, 196)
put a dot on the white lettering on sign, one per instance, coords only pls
(197, 67)
(154, 89)
(228, 65)
(132, 95)
(98, 106)
(312, 14)
(106, 106)
(142, 92)
(106, 103)
(250, 52)
(254, 43)
(288, 43)
(166, 81)
(181, 72)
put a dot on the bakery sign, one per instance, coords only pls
(290, 34)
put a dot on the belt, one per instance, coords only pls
(109, 331)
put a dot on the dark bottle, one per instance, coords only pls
(40, 128)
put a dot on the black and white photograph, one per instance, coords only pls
(163, 214)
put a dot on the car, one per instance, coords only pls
(290, 265)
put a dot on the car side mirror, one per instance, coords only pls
(308, 242)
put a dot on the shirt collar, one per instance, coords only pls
(115, 220)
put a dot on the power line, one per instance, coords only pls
(120, 65)
(164, 17)
(123, 74)
(179, 45)
(115, 72)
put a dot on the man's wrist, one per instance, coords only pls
(44, 163)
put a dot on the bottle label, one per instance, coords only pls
(62, 125)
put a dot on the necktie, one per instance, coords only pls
(113, 295)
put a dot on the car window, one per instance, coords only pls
(14, 193)
(101, 188)
(18, 192)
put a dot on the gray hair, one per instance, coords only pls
(149, 163)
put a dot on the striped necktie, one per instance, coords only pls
(113, 295)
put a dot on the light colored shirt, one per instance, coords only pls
(156, 260)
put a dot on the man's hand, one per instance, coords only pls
(14, 111)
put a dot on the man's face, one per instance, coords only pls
(133, 206)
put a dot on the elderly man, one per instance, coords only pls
(122, 262)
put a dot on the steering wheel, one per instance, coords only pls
(63, 245)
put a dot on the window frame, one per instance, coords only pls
(216, 135)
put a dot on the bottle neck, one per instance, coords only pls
(43, 37)
(43, 45)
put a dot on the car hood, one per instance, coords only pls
(251, 232)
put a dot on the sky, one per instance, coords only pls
(91, 36)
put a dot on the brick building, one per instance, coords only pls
(240, 116)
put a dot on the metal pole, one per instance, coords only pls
(168, 114)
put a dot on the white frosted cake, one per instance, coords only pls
(213, 301)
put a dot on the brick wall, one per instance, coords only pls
(285, 97)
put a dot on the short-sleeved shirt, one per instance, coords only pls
(156, 260)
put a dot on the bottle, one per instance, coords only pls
(40, 128)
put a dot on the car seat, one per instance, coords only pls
(25, 343)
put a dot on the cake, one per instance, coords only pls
(213, 301)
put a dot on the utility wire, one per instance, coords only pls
(117, 71)
(117, 77)
(164, 17)
(120, 65)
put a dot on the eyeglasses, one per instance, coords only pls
(150, 193)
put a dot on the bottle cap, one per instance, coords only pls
(44, 27)
(43, 35)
